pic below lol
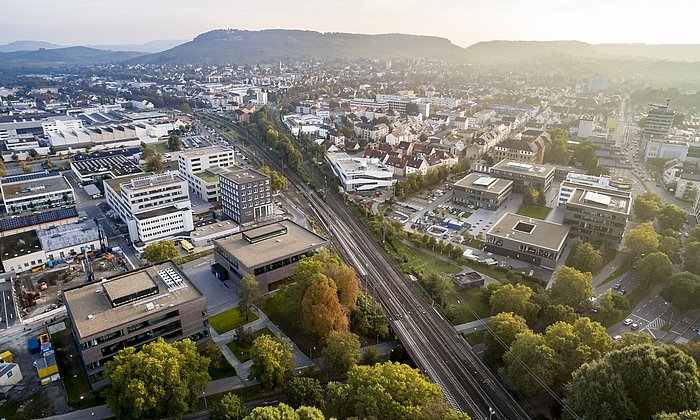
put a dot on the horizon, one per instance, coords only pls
(80, 22)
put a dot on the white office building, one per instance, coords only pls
(586, 125)
(153, 206)
(604, 182)
(202, 168)
(360, 174)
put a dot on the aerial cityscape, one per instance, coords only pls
(341, 210)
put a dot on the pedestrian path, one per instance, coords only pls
(478, 325)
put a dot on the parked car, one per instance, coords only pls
(627, 322)
(635, 326)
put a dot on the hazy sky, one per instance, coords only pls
(464, 22)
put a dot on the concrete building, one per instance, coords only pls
(598, 215)
(36, 190)
(38, 220)
(270, 252)
(659, 120)
(131, 310)
(361, 174)
(92, 170)
(575, 180)
(246, 195)
(586, 126)
(524, 175)
(21, 252)
(526, 239)
(479, 191)
(202, 168)
(153, 206)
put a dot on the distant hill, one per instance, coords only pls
(62, 57)
(149, 47)
(27, 46)
(670, 52)
(237, 46)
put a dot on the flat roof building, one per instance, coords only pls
(575, 180)
(202, 168)
(246, 195)
(598, 215)
(36, 190)
(38, 220)
(131, 310)
(480, 191)
(270, 252)
(90, 170)
(360, 174)
(526, 239)
(525, 175)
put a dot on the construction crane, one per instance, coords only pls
(89, 275)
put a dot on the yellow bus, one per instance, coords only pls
(187, 246)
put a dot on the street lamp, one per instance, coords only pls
(206, 405)
(491, 412)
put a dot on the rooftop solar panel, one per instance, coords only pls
(34, 219)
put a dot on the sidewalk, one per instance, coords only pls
(478, 325)
(609, 268)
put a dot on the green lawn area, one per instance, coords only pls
(288, 319)
(162, 148)
(207, 177)
(243, 353)
(226, 321)
(223, 371)
(538, 212)
(71, 369)
(234, 168)
(418, 258)
(469, 298)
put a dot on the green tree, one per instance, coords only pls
(248, 294)
(321, 311)
(691, 257)
(2, 168)
(635, 382)
(672, 217)
(272, 361)
(285, 412)
(641, 240)
(174, 142)
(584, 154)
(277, 181)
(558, 151)
(160, 380)
(585, 258)
(229, 407)
(160, 251)
(155, 164)
(694, 233)
(185, 108)
(342, 350)
(513, 298)
(551, 314)
(612, 306)
(504, 327)
(632, 339)
(646, 206)
(683, 291)
(147, 151)
(370, 357)
(368, 318)
(384, 391)
(302, 391)
(572, 287)
(683, 415)
(654, 269)
(528, 358)
(671, 247)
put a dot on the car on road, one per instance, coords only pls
(628, 321)
(616, 286)
(635, 326)
(617, 337)
(622, 292)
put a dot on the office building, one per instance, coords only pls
(202, 168)
(659, 120)
(270, 252)
(246, 195)
(526, 239)
(153, 206)
(479, 191)
(360, 174)
(586, 125)
(131, 310)
(36, 190)
(524, 175)
(575, 180)
(598, 215)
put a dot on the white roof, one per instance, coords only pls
(597, 198)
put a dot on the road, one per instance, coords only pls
(434, 345)
(8, 312)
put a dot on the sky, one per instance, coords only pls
(464, 22)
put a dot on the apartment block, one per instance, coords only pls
(598, 215)
(479, 191)
(245, 195)
(524, 175)
(131, 310)
(202, 169)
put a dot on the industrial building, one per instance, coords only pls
(131, 310)
(479, 191)
(95, 169)
(270, 252)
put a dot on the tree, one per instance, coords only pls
(584, 154)
(147, 151)
(631, 339)
(513, 298)
(321, 311)
(367, 318)
(384, 391)
(646, 206)
(160, 380)
(3, 171)
(211, 351)
(612, 306)
(342, 350)
(529, 356)
(635, 382)
(694, 233)
(671, 247)
(370, 357)
(641, 240)
(185, 108)
(230, 407)
(672, 217)
(174, 142)
(683, 291)
(533, 197)
(277, 182)
(683, 415)
(585, 258)
(558, 151)
(346, 281)
(504, 327)
(551, 314)
(654, 268)
(285, 412)
(691, 257)
(272, 361)
(155, 164)
(160, 251)
(248, 294)
(572, 287)
(304, 391)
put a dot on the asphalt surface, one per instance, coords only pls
(8, 312)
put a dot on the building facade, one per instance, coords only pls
(598, 215)
(202, 168)
(524, 175)
(478, 191)
(246, 195)
(365, 174)
(132, 310)
(36, 190)
(575, 180)
(659, 120)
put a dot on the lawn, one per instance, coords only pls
(224, 370)
(537, 212)
(470, 302)
(243, 353)
(287, 317)
(418, 258)
(162, 148)
(71, 369)
(227, 321)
